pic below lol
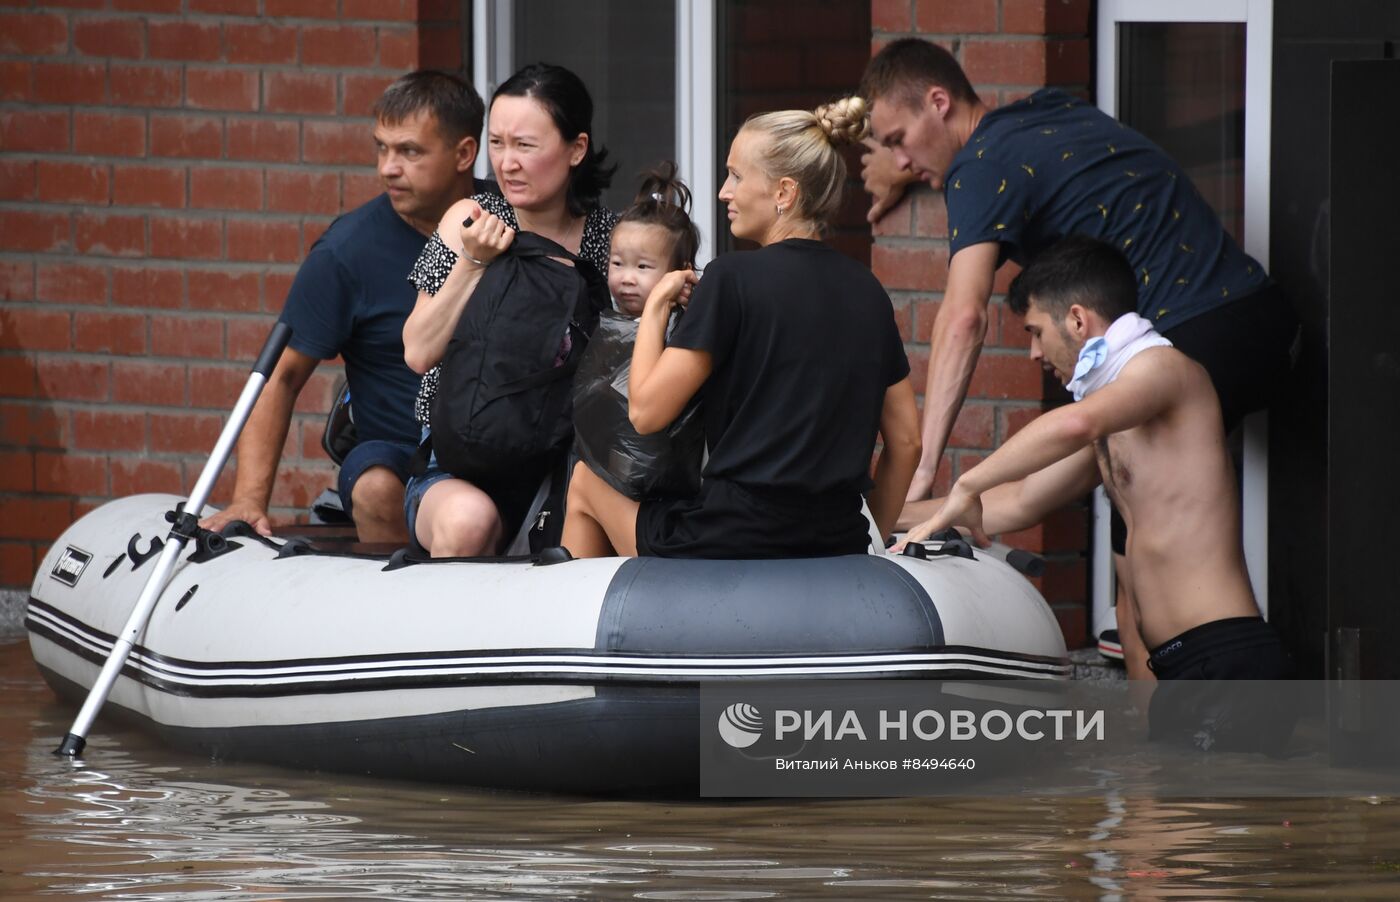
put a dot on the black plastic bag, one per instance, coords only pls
(665, 464)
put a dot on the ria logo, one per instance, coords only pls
(70, 566)
(740, 725)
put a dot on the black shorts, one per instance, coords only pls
(727, 521)
(1247, 347)
(1212, 692)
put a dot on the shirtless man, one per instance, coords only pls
(1147, 423)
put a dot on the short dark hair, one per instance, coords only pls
(452, 101)
(905, 68)
(563, 95)
(664, 201)
(1076, 270)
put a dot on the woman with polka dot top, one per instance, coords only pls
(539, 137)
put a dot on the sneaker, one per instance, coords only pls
(1109, 645)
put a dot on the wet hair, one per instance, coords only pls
(451, 100)
(803, 145)
(1076, 270)
(564, 97)
(664, 201)
(904, 69)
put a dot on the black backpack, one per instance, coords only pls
(504, 400)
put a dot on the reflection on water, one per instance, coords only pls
(141, 823)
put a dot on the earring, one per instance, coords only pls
(779, 208)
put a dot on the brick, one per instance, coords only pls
(246, 338)
(230, 290)
(439, 47)
(110, 234)
(891, 15)
(231, 7)
(1011, 420)
(16, 80)
(106, 430)
(16, 564)
(72, 283)
(919, 268)
(221, 89)
(1067, 62)
(1005, 376)
(337, 45)
(70, 83)
(260, 43)
(35, 131)
(1008, 271)
(382, 10)
(271, 140)
(23, 230)
(70, 474)
(216, 387)
(1045, 17)
(897, 221)
(310, 448)
(187, 136)
(302, 9)
(18, 179)
(186, 238)
(311, 232)
(358, 188)
(297, 487)
(33, 34)
(73, 183)
(930, 215)
(186, 433)
(16, 471)
(148, 186)
(226, 188)
(111, 333)
(31, 329)
(149, 384)
(34, 518)
(187, 336)
(1005, 62)
(147, 6)
(25, 423)
(263, 241)
(17, 380)
(147, 287)
(398, 51)
(182, 40)
(956, 16)
(299, 92)
(360, 92)
(151, 86)
(448, 10)
(974, 427)
(299, 191)
(16, 280)
(112, 38)
(275, 288)
(65, 379)
(317, 394)
(134, 476)
(109, 134)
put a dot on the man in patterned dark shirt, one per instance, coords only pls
(1017, 179)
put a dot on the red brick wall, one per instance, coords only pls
(1009, 48)
(164, 166)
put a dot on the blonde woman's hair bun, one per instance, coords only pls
(843, 121)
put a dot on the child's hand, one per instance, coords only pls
(674, 288)
(484, 236)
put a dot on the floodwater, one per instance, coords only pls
(139, 822)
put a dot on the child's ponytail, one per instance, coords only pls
(664, 200)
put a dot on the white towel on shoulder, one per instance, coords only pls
(1103, 358)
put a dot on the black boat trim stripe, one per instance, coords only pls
(552, 666)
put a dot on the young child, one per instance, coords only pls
(652, 237)
(1147, 423)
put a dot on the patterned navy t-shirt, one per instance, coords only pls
(1052, 165)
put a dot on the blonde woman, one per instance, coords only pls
(794, 351)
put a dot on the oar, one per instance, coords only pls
(185, 528)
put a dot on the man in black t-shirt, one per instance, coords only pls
(350, 299)
(1017, 179)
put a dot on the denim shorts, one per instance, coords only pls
(397, 456)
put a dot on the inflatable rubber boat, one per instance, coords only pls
(535, 672)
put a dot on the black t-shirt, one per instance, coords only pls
(804, 345)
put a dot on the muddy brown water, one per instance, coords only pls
(142, 822)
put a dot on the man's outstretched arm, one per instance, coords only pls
(260, 445)
(958, 333)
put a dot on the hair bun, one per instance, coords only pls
(843, 121)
